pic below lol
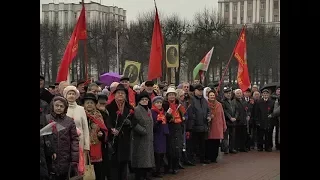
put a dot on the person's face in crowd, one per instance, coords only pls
(41, 83)
(144, 101)
(94, 90)
(149, 89)
(99, 89)
(185, 87)
(56, 89)
(198, 92)
(62, 87)
(247, 94)
(278, 92)
(265, 95)
(256, 95)
(156, 89)
(101, 105)
(89, 105)
(81, 88)
(211, 96)
(181, 97)
(254, 89)
(196, 82)
(171, 97)
(158, 105)
(71, 96)
(238, 94)
(228, 95)
(58, 107)
(120, 95)
(125, 83)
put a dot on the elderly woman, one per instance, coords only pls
(175, 141)
(78, 114)
(161, 131)
(217, 126)
(98, 133)
(113, 87)
(119, 126)
(142, 138)
(67, 137)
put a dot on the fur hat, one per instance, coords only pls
(70, 88)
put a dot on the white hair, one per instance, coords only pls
(237, 90)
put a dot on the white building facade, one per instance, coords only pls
(67, 13)
(237, 12)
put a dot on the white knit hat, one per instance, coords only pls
(70, 88)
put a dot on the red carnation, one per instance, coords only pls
(149, 114)
(131, 111)
(54, 127)
(246, 108)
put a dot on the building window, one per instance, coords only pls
(46, 16)
(262, 5)
(241, 20)
(56, 16)
(235, 7)
(242, 6)
(276, 5)
(275, 18)
(249, 19)
(262, 19)
(226, 8)
(249, 6)
(234, 20)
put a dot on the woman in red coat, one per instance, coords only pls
(217, 126)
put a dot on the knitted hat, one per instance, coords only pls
(157, 99)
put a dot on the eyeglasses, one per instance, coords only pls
(144, 99)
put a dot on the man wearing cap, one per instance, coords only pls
(44, 94)
(198, 122)
(149, 89)
(248, 104)
(52, 89)
(263, 109)
(230, 113)
(131, 96)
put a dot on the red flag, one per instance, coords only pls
(79, 33)
(240, 53)
(155, 61)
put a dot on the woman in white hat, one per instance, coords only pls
(175, 141)
(78, 114)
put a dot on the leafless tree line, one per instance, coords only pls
(195, 39)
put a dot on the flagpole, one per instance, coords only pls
(226, 68)
(117, 39)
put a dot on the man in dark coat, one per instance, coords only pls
(230, 113)
(198, 122)
(120, 136)
(248, 105)
(149, 89)
(263, 109)
(242, 121)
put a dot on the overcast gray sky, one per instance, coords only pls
(185, 8)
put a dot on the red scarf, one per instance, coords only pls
(95, 149)
(132, 97)
(160, 116)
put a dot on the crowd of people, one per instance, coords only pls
(149, 130)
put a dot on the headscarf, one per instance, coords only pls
(64, 101)
(205, 95)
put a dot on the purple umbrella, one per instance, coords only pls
(109, 78)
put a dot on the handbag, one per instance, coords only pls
(89, 173)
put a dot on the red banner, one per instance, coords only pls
(155, 60)
(79, 33)
(240, 53)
